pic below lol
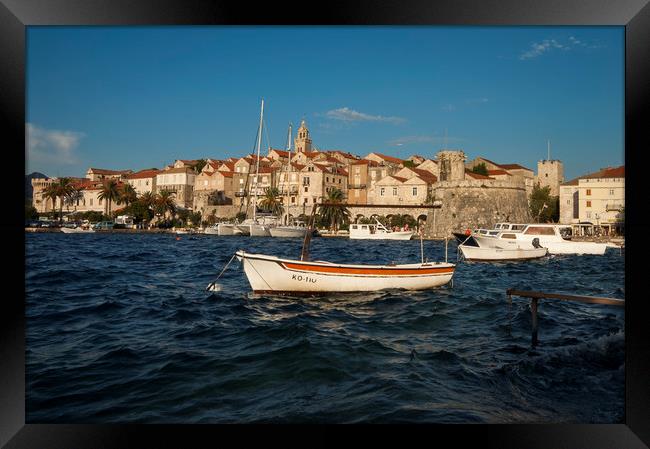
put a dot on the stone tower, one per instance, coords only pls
(451, 164)
(302, 142)
(550, 173)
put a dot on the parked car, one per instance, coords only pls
(104, 225)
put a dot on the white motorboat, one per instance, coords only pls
(77, 230)
(501, 254)
(378, 231)
(270, 274)
(254, 228)
(212, 230)
(552, 236)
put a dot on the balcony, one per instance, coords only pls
(240, 194)
(613, 207)
(356, 186)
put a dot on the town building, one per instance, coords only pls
(180, 181)
(98, 174)
(143, 181)
(550, 173)
(594, 202)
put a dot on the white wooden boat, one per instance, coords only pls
(269, 274)
(551, 236)
(377, 232)
(501, 254)
(77, 230)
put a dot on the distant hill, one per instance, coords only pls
(28, 183)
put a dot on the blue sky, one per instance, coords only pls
(140, 97)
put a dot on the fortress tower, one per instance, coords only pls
(452, 165)
(302, 142)
(550, 173)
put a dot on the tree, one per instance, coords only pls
(409, 164)
(30, 212)
(480, 169)
(128, 194)
(272, 201)
(60, 189)
(543, 207)
(334, 212)
(165, 203)
(76, 195)
(110, 193)
(199, 165)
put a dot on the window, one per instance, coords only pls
(588, 214)
(415, 191)
(314, 200)
(339, 180)
(381, 191)
(508, 236)
(568, 201)
(546, 175)
(91, 201)
(394, 191)
(306, 189)
(356, 193)
(293, 200)
(305, 202)
(327, 179)
(611, 191)
(588, 203)
(588, 191)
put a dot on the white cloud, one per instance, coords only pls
(539, 48)
(51, 145)
(349, 115)
(476, 100)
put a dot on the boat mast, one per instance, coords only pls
(287, 183)
(257, 169)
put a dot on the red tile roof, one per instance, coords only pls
(425, 175)
(609, 172)
(147, 173)
(513, 167)
(389, 158)
(366, 162)
(498, 172)
(476, 175)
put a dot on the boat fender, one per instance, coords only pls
(468, 232)
(536, 243)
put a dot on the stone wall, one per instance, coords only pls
(471, 204)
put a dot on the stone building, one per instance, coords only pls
(468, 200)
(179, 181)
(597, 198)
(143, 181)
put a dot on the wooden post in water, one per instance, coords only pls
(533, 311)
(536, 296)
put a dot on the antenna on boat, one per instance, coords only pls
(421, 244)
(310, 230)
(288, 183)
(257, 168)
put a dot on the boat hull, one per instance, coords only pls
(226, 229)
(272, 274)
(554, 247)
(499, 254)
(254, 230)
(288, 232)
(398, 235)
(76, 231)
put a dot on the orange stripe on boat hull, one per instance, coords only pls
(368, 271)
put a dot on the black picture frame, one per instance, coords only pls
(15, 15)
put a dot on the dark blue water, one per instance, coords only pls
(121, 329)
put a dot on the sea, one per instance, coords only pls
(120, 329)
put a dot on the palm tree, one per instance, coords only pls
(272, 201)
(148, 199)
(165, 202)
(61, 189)
(109, 192)
(128, 194)
(76, 195)
(334, 212)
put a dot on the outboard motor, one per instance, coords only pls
(536, 243)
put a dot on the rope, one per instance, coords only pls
(213, 283)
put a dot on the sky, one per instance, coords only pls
(142, 97)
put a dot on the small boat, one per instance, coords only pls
(77, 230)
(254, 229)
(501, 254)
(270, 274)
(212, 230)
(552, 236)
(298, 230)
(378, 232)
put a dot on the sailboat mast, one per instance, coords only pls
(257, 169)
(287, 183)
